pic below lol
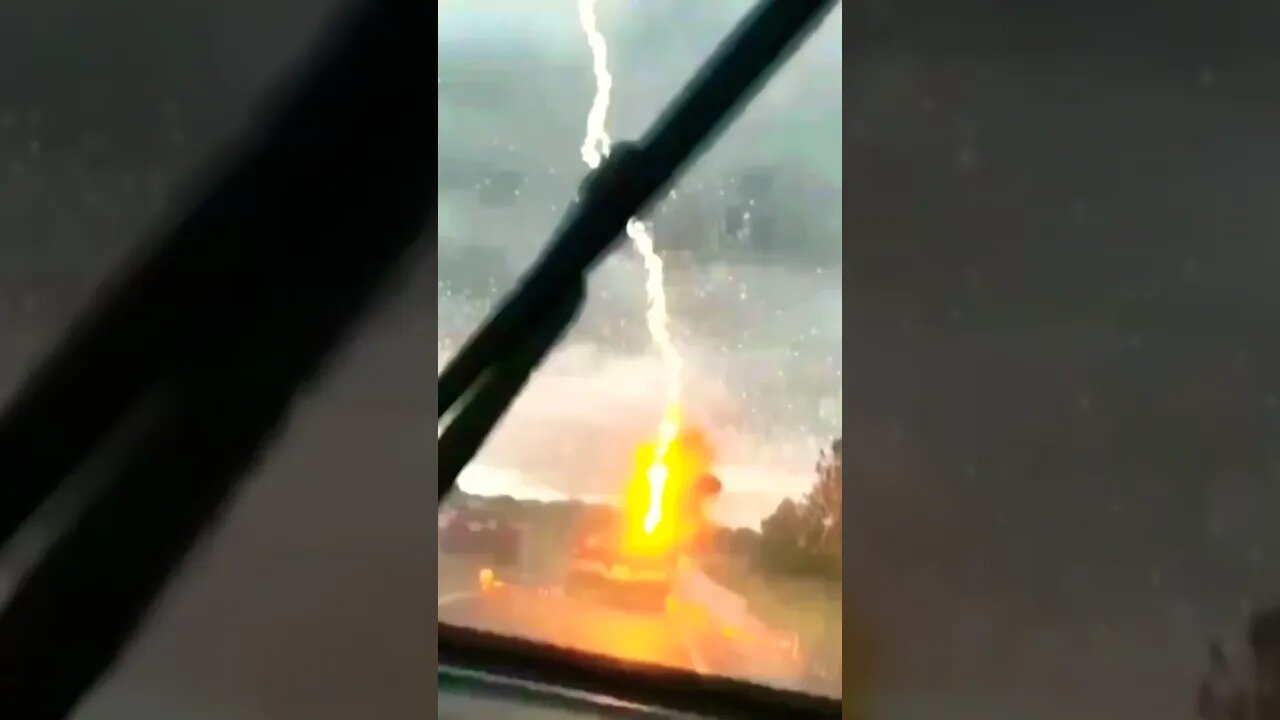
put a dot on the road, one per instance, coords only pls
(582, 625)
(673, 639)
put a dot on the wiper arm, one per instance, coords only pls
(498, 359)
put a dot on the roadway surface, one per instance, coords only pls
(542, 612)
(582, 625)
(562, 621)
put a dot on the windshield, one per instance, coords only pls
(670, 479)
(1060, 272)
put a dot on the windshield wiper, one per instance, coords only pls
(499, 358)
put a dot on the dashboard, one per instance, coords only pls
(467, 695)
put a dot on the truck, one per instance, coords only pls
(600, 569)
(624, 559)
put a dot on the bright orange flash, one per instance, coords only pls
(648, 529)
(663, 502)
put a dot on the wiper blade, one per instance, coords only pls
(496, 362)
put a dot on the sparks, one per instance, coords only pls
(595, 148)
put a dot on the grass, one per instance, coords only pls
(811, 608)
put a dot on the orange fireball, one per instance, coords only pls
(663, 502)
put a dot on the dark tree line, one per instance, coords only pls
(805, 536)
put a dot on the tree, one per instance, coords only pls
(784, 529)
(744, 541)
(825, 502)
(807, 536)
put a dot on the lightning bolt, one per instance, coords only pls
(595, 148)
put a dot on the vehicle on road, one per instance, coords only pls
(600, 569)
(628, 559)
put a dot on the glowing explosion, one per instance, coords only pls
(660, 522)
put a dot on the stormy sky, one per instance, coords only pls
(761, 335)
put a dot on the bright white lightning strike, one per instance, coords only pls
(595, 148)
